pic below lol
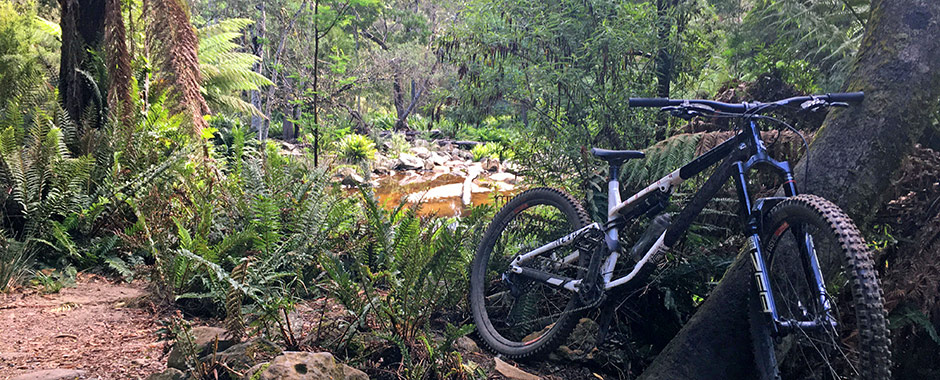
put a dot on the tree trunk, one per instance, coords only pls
(851, 162)
(82, 24)
(316, 79)
(257, 122)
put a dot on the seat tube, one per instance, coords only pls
(612, 235)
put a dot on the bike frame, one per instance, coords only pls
(738, 156)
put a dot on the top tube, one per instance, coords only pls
(741, 108)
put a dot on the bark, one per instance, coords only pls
(858, 149)
(82, 24)
(851, 163)
(287, 130)
(258, 49)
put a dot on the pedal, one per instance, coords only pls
(591, 290)
(607, 315)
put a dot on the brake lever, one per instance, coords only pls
(688, 111)
(839, 104)
(813, 105)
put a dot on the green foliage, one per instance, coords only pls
(356, 149)
(41, 182)
(404, 270)
(28, 46)
(15, 259)
(801, 40)
(397, 145)
(227, 72)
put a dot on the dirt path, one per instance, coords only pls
(95, 327)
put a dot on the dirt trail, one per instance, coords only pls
(95, 326)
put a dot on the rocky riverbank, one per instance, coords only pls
(442, 175)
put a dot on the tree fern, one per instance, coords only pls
(226, 71)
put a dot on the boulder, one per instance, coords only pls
(465, 344)
(52, 374)
(409, 162)
(241, 357)
(464, 154)
(421, 152)
(349, 176)
(437, 159)
(441, 169)
(491, 164)
(383, 164)
(309, 366)
(504, 177)
(169, 374)
(204, 338)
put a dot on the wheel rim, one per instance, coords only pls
(521, 312)
(829, 353)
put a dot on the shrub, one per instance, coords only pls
(404, 270)
(356, 149)
(398, 145)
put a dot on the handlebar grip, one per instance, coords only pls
(649, 102)
(847, 97)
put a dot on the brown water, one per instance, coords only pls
(392, 189)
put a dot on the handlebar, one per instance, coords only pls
(741, 108)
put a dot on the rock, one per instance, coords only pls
(445, 191)
(246, 355)
(583, 336)
(349, 176)
(504, 177)
(421, 152)
(52, 374)
(437, 159)
(409, 162)
(169, 374)
(203, 338)
(309, 366)
(383, 164)
(421, 143)
(465, 344)
(512, 371)
(441, 169)
(464, 154)
(411, 178)
(490, 164)
(255, 372)
(467, 144)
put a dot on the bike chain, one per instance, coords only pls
(586, 244)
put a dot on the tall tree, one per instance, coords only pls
(851, 162)
(82, 24)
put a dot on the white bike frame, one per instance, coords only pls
(615, 209)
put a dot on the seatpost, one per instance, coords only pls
(613, 188)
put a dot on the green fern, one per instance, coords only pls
(226, 71)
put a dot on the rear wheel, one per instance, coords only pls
(857, 347)
(516, 316)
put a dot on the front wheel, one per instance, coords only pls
(516, 316)
(857, 347)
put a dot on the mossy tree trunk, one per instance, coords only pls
(851, 162)
(82, 23)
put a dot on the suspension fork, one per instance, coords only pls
(753, 215)
(755, 251)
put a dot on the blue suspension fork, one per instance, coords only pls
(807, 251)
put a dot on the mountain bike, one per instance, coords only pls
(817, 307)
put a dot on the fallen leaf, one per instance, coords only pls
(512, 371)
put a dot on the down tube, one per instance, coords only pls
(699, 200)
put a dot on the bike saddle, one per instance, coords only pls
(616, 155)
